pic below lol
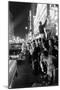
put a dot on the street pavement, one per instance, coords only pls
(24, 77)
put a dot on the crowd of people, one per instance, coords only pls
(42, 53)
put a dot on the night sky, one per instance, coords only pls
(19, 12)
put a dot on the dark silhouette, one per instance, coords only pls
(42, 26)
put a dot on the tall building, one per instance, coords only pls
(54, 18)
(41, 13)
(50, 12)
(32, 13)
(10, 26)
